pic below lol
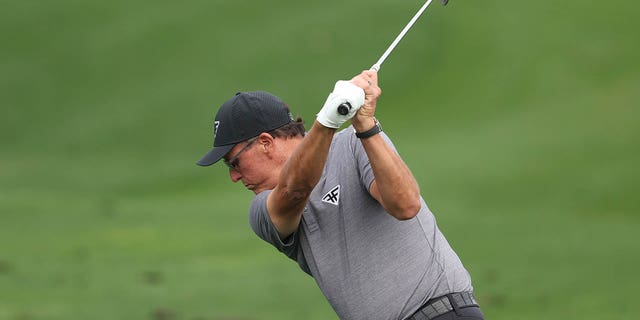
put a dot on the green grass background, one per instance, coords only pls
(519, 119)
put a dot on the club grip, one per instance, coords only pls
(344, 108)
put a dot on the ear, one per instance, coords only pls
(266, 142)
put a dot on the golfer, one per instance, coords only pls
(343, 205)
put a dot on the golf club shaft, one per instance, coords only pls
(377, 65)
(344, 108)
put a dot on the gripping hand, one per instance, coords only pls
(347, 97)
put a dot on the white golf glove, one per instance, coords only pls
(343, 92)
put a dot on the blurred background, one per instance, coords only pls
(519, 119)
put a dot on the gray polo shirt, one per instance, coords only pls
(368, 264)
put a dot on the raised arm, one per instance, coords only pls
(303, 168)
(298, 177)
(394, 187)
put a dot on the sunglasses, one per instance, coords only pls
(234, 162)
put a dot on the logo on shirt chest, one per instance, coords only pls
(333, 196)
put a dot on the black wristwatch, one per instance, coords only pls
(377, 128)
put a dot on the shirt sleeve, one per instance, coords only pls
(362, 160)
(263, 227)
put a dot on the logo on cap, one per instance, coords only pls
(216, 124)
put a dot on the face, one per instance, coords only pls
(247, 164)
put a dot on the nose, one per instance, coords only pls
(234, 175)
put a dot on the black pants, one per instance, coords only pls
(466, 313)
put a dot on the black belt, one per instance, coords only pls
(441, 305)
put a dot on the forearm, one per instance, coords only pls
(394, 186)
(303, 169)
(299, 175)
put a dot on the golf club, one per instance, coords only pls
(344, 108)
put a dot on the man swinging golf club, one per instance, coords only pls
(343, 205)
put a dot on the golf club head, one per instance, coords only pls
(444, 2)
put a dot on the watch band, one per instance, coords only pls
(377, 128)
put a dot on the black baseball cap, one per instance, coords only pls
(244, 116)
